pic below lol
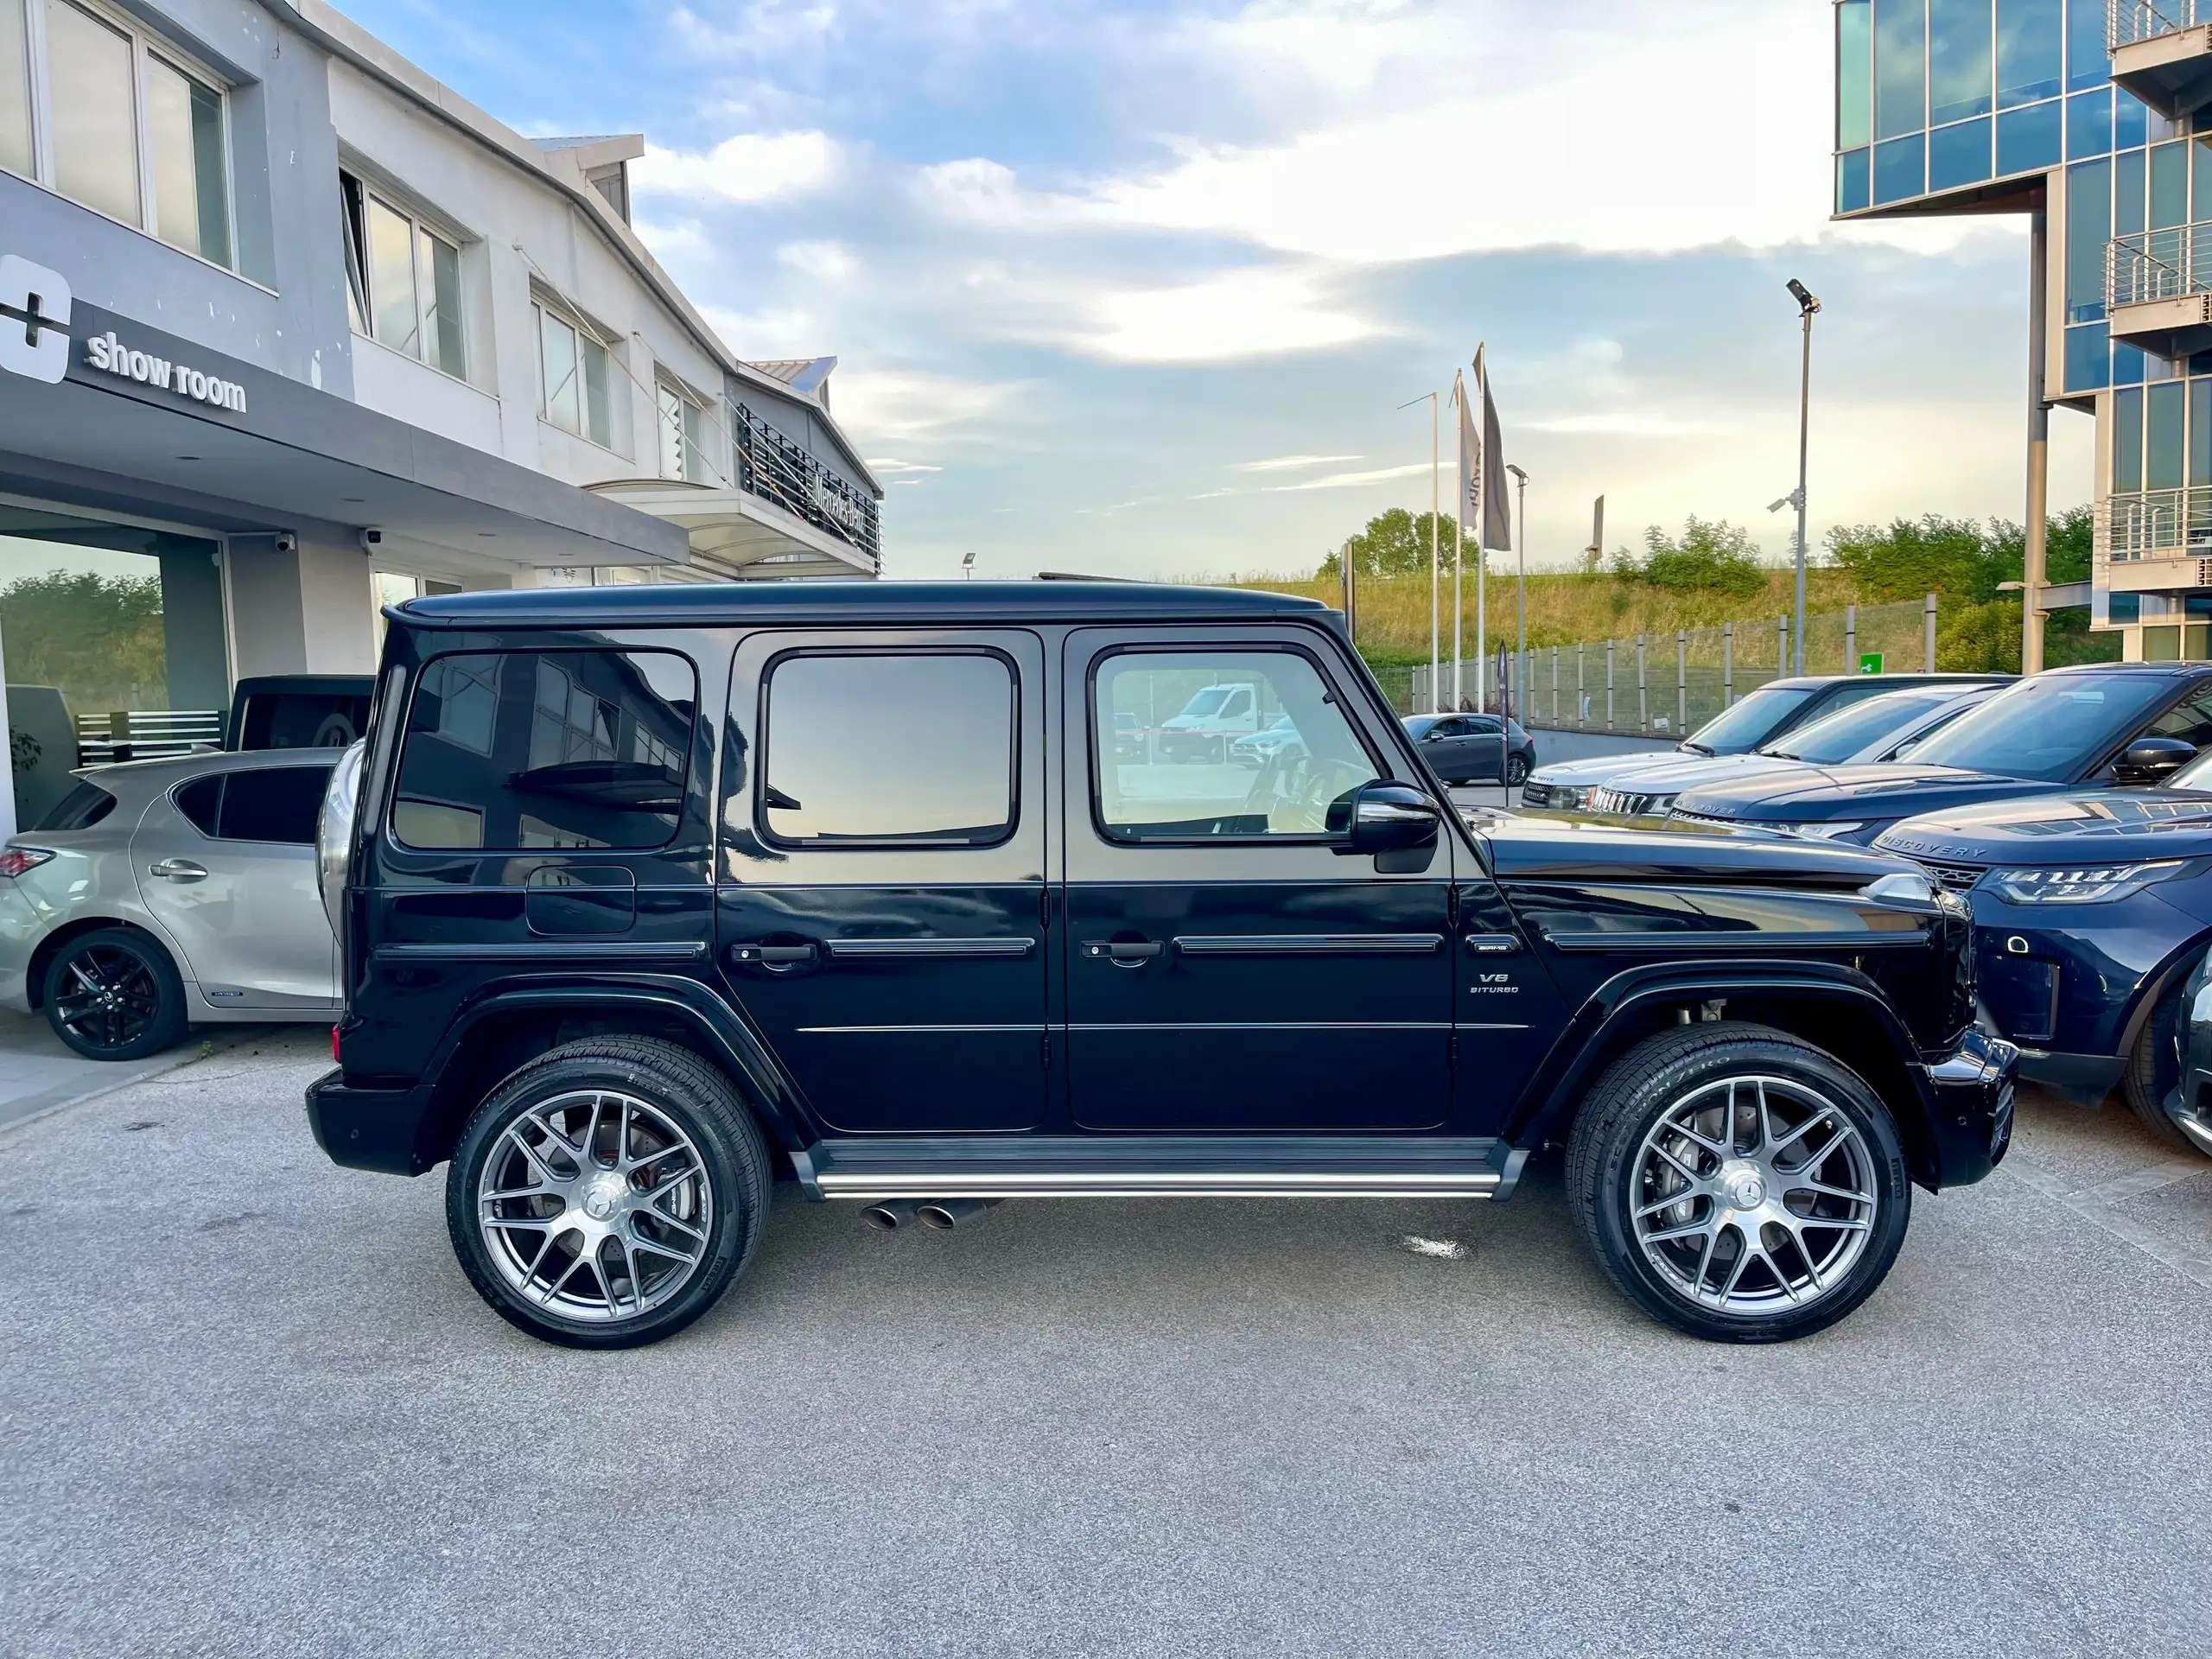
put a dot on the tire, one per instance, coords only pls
(1624, 1158)
(2153, 1068)
(114, 994)
(670, 1210)
(1517, 771)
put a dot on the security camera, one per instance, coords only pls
(371, 538)
(286, 541)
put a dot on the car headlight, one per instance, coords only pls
(1558, 797)
(2087, 885)
(1817, 831)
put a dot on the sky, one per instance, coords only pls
(1139, 289)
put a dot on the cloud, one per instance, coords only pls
(825, 262)
(1256, 312)
(886, 468)
(1351, 481)
(748, 167)
(1626, 423)
(910, 404)
(1291, 463)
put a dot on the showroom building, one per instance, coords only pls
(2094, 118)
(288, 330)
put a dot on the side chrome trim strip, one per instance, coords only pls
(1275, 1025)
(894, 950)
(1753, 942)
(1069, 1183)
(1310, 944)
(911, 1031)
(580, 949)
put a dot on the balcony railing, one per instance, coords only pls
(2154, 524)
(2153, 265)
(771, 466)
(146, 733)
(2130, 22)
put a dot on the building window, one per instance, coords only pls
(97, 111)
(683, 438)
(573, 385)
(403, 280)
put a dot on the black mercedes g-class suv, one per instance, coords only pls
(650, 895)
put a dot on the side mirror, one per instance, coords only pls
(2155, 757)
(1383, 818)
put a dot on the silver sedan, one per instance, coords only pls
(159, 894)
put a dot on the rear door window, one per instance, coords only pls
(276, 804)
(518, 751)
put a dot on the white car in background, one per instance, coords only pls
(157, 894)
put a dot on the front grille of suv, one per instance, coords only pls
(1628, 803)
(1958, 878)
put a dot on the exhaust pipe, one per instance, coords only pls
(889, 1215)
(944, 1214)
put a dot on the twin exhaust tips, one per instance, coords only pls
(889, 1215)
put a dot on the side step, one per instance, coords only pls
(1030, 1166)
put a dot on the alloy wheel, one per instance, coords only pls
(1753, 1194)
(107, 997)
(595, 1206)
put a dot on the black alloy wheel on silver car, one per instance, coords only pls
(1738, 1183)
(114, 994)
(606, 1194)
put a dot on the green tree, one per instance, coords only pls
(1395, 544)
(97, 638)
(1711, 556)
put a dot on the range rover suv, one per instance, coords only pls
(650, 896)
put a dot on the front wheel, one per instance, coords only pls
(1737, 1184)
(606, 1194)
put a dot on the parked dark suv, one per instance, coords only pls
(648, 895)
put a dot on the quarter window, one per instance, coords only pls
(403, 280)
(890, 749)
(93, 108)
(1194, 779)
(560, 749)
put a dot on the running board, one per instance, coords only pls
(1274, 1166)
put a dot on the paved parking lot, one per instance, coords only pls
(249, 1405)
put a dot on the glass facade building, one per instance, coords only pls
(1976, 106)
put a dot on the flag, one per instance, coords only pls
(1498, 512)
(1470, 462)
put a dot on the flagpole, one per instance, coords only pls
(1458, 562)
(1435, 686)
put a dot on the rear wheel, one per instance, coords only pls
(606, 1194)
(2153, 1066)
(1737, 1184)
(1517, 771)
(114, 994)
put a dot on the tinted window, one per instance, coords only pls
(2191, 722)
(914, 748)
(80, 809)
(202, 802)
(1839, 736)
(300, 720)
(276, 804)
(1190, 785)
(517, 750)
(2048, 728)
(1751, 721)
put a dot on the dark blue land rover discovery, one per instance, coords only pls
(647, 895)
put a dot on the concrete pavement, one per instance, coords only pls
(248, 1404)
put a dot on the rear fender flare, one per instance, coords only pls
(1628, 1001)
(722, 1031)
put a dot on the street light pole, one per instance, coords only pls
(1807, 306)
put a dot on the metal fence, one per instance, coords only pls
(1667, 684)
(146, 733)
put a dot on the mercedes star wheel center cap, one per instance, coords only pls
(602, 1197)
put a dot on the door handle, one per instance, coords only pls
(179, 870)
(775, 956)
(1122, 953)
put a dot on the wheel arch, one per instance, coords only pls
(1836, 1009)
(76, 927)
(493, 1037)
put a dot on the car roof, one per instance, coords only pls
(160, 773)
(709, 604)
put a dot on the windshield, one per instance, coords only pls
(1841, 735)
(1207, 701)
(1750, 722)
(2046, 728)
